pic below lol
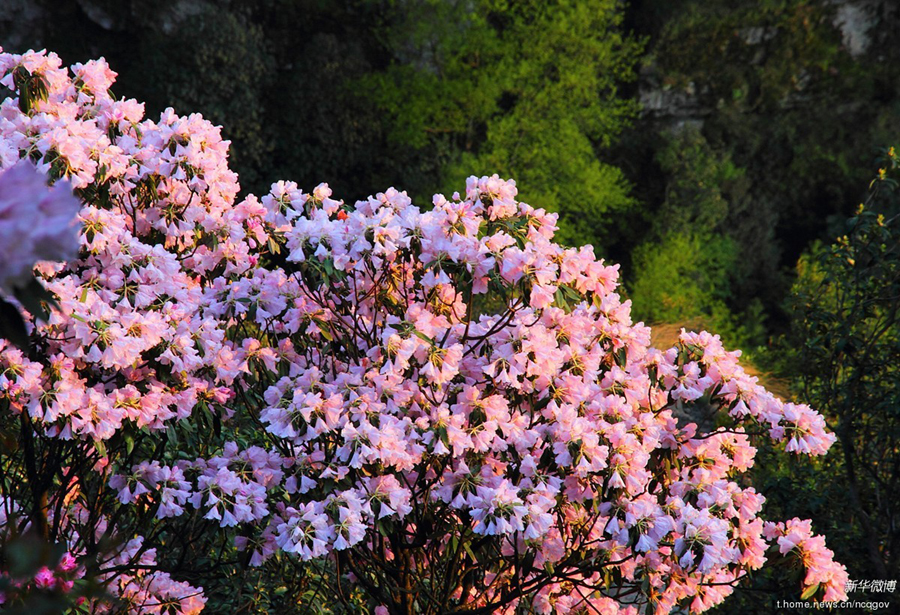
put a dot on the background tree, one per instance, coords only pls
(529, 90)
(841, 352)
(358, 93)
(846, 336)
(770, 88)
(689, 266)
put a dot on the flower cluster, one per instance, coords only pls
(795, 536)
(442, 394)
(130, 345)
(153, 592)
(60, 578)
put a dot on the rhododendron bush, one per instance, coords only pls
(416, 409)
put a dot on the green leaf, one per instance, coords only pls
(560, 299)
(468, 549)
(326, 332)
(422, 336)
(100, 445)
(328, 266)
(809, 592)
(172, 434)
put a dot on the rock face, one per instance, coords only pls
(23, 22)
(677, 105)
(859, 23)
(855, 20)
(20, 22)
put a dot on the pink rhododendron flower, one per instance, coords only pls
(45, 578)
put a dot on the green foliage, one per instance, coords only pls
(703, 186)
(686, 278)
(847, 330)
(842, 355)
(759, 52)
(364, 94)
(690, 266)
(771, 87)
(529, 90)
(681, 277)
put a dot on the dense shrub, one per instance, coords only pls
(376, 406)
